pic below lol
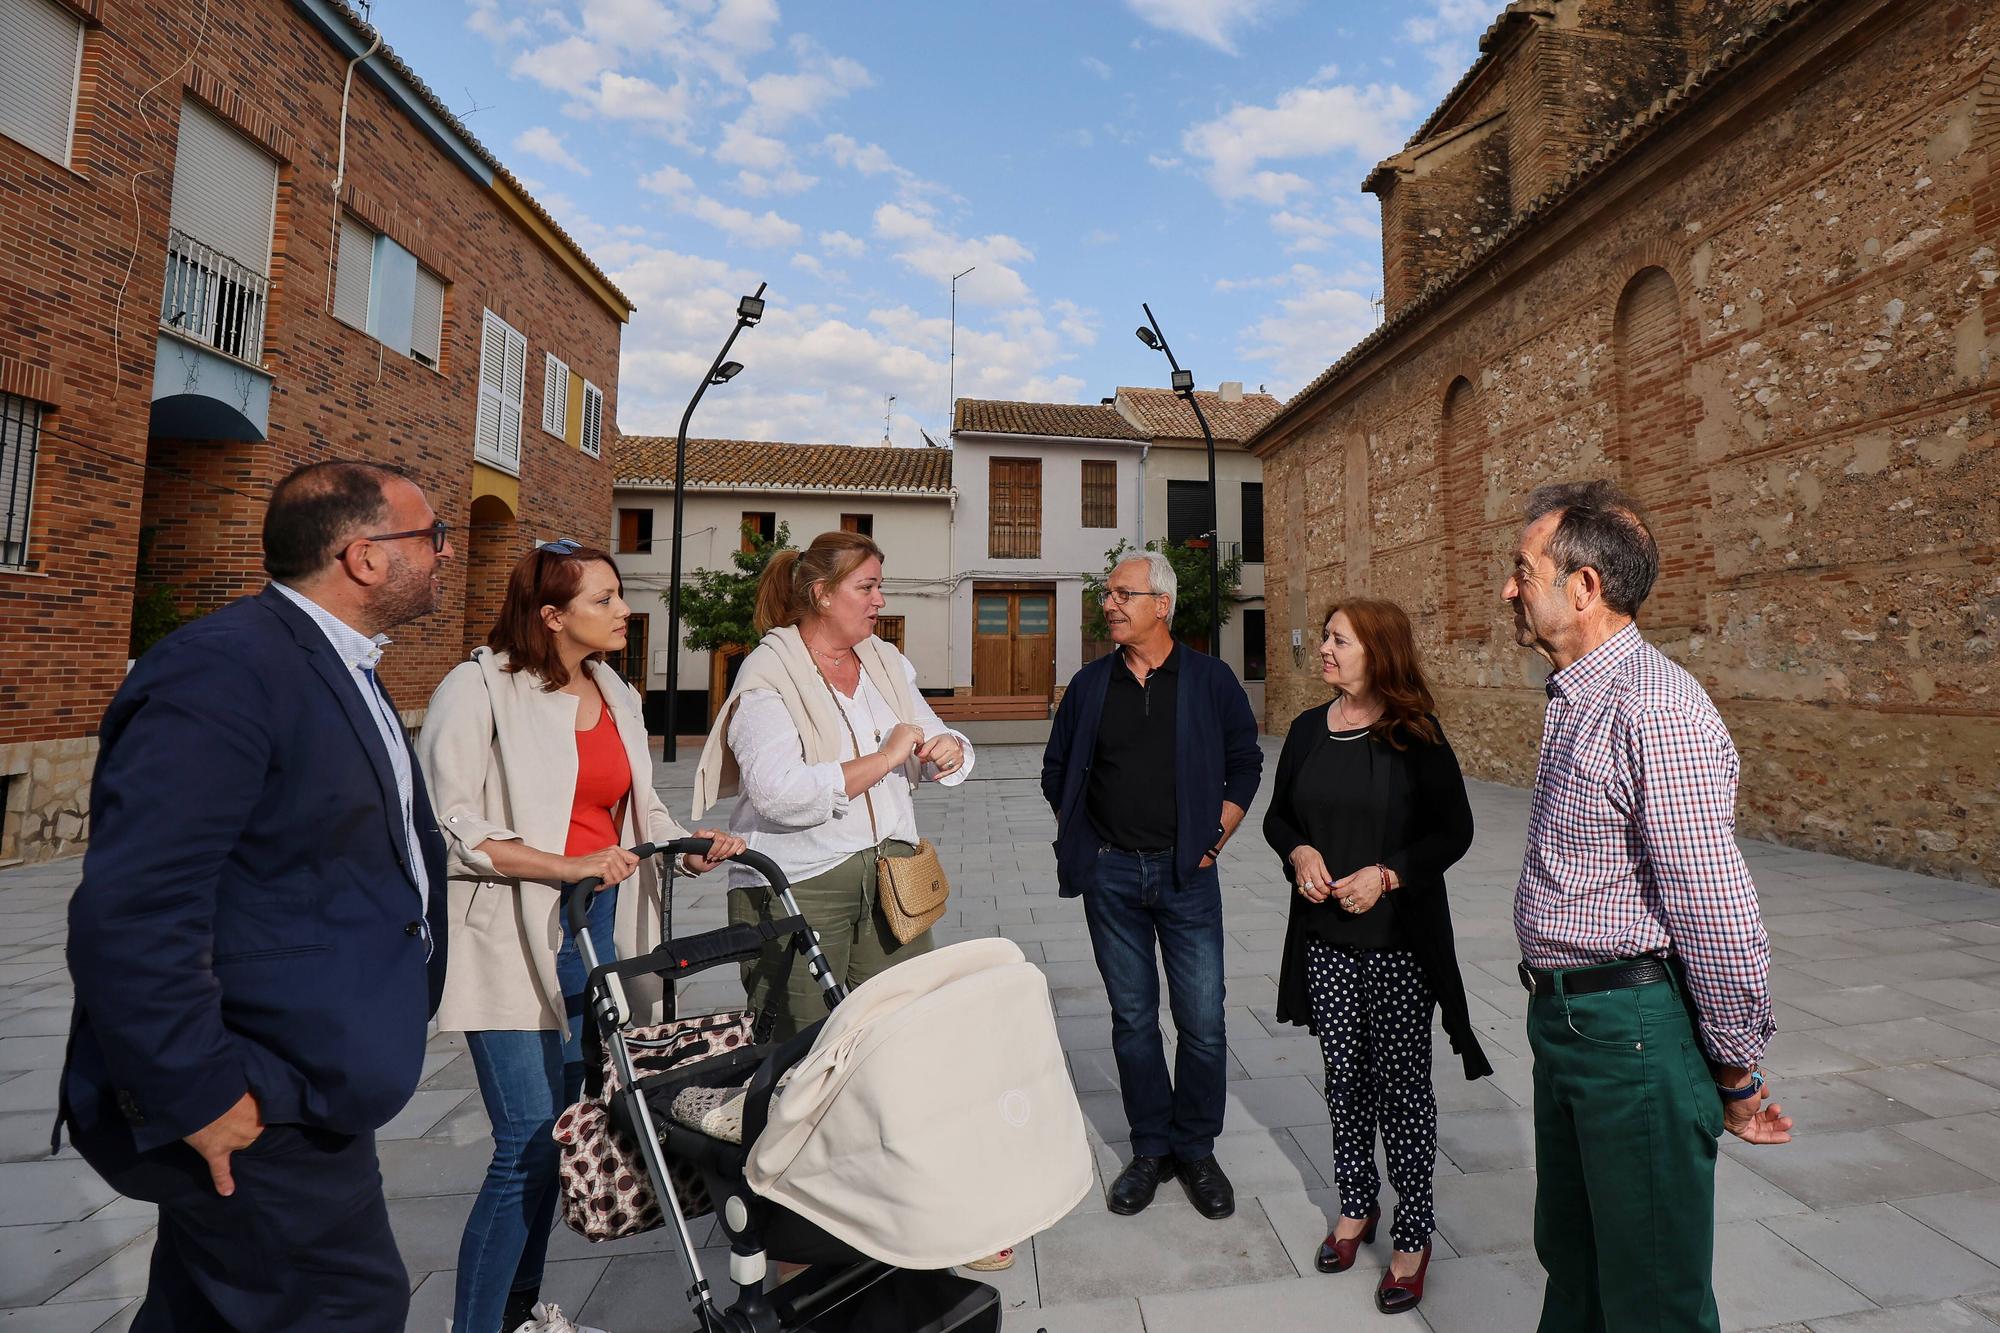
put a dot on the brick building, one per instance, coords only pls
(234, 240)
(1740, 254)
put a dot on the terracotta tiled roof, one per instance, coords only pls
(1164, 414)
(648, 460)
(387, 55)
(1669, 105)
(1077, 420)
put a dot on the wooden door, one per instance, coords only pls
(1013, 642)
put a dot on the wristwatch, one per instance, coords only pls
(1746, 1092)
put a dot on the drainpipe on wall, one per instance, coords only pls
(1144, 450)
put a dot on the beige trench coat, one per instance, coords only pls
(499, 754)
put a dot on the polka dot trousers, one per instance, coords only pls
(1373, 1012)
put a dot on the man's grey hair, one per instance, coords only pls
(1159, 576)
(1601, 527)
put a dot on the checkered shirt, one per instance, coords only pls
(1631, 840)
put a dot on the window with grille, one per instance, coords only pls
(503, 365)
(592, 442)
(555, 395)
(1014, 513)
(635, 531)
(1100, 494)
(1253, 522)
(20, 441)
(41, 53)
(381, 289)
(889, 629)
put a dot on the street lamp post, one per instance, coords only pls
(951, 371)
(1183, 382)
(748, 311)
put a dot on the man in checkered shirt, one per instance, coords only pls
(1640, 935)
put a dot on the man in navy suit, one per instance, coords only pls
(257, 943)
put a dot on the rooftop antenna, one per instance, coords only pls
(888, 409)
(477, 105)
(1378, 305)
(367, 8)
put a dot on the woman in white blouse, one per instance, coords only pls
(826, 736)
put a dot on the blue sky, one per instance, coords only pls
(1082, 156)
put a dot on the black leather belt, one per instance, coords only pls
(1588, 980)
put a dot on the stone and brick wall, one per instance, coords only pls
(78, 337)
(1774, 320)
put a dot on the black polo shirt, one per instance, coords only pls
(1130, 798)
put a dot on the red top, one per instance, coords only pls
(603, 777)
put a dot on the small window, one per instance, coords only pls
(555, 395)
(427, 320)
(20, 441)
(889, 629)
(863, 524)
(1253, 645)
(41, 55)
(503, 366)
(1014, 513)
(592, 442)
(381, 289)
(1100, 493)
(635, 531)
(1253, 522)
(758, 527)
(1187, 511)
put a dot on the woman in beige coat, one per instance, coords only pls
(538, 766)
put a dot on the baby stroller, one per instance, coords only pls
(843, 1290)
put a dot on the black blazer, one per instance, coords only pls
(1426, 827)
(247, 919)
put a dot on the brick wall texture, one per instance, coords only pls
(78, 334)
(1773, 316)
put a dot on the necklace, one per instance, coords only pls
(831, 657)
(1358, 728)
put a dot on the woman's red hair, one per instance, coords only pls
(1383, 630)
(542, 578)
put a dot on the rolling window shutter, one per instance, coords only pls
(41, 48)
(225, 189)
(593, 419)
(354, 273)
(1187, 510)
(427, 320)
(555, 395)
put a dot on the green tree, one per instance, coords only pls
(719, 606)
(1191, 598)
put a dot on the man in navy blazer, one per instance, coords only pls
(258, 940)
(1150, 766)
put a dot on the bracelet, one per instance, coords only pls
(681, 865)
(1746, 1092)
(1383, 871)
(1215, 852)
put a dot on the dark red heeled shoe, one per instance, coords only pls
(1337, 1256)
(1397, 1294)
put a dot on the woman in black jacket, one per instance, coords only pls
(1368, 811)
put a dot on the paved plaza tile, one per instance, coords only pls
(1883, 1216)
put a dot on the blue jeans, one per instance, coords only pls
(1131, 903)
(526, 1080)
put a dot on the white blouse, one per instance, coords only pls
(800, 814)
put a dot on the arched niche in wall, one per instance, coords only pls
(1655, 447)
(1463, 510)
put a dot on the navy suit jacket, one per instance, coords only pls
(248, 919)
(1216, 759)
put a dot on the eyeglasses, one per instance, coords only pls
(436, 532)
(562, 546)
(1121, 596)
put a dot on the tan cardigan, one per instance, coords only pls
(499, 753)
(783, 664)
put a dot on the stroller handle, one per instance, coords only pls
(581, 891)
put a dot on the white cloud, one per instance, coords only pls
(840, 243)
(785, 180)
(1161, 161)
(766, 230)
(868, 159)
(743, 25)
(1303, 123)
(743, 146)
(1213, 22)
(1446, 32)
(934, 252)
(1095, 66)
(1309, 330)
(776, 100)
(545, 145)
(486, 19)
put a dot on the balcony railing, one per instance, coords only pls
(213, 299)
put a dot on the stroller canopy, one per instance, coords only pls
(933, 1121)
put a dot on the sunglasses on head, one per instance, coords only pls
(562, 546)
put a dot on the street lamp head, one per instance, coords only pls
(1183, 381)
(750, 309)
(1145, 336)
(726, 372)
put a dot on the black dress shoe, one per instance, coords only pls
(1208, 1189)
(1134, 1188)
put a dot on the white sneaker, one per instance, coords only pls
(549, 1318)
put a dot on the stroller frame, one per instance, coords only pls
(820, 1293)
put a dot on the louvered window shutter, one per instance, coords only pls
(427, 321)
(41, 50)
(225, 189)
(593, 419)
(555, 395)
(354, 273)
(513, 389)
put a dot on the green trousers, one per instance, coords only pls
(1626, 1122)
(840, 904)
